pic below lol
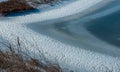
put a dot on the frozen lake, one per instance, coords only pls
(92, 31)
(70, 34)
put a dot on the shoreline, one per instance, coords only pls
(52, 29)
(64, 54)
(42, 16)
(58, 40)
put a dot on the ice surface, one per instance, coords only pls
(68, 56)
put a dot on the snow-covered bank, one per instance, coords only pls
(77, 59)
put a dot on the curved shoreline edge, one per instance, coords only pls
(78, 59)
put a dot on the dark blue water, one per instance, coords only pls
(22, 13)
(107, 28)
(104, 23)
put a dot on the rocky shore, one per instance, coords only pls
(9, 6)
(13, 6)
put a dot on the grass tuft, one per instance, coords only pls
(12, 61)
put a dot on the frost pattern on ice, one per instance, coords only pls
(77, 59)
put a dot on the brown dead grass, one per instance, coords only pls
(10, 61)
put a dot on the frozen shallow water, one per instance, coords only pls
(84, 57)
(75, 30)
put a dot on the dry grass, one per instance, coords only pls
(10, 61)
